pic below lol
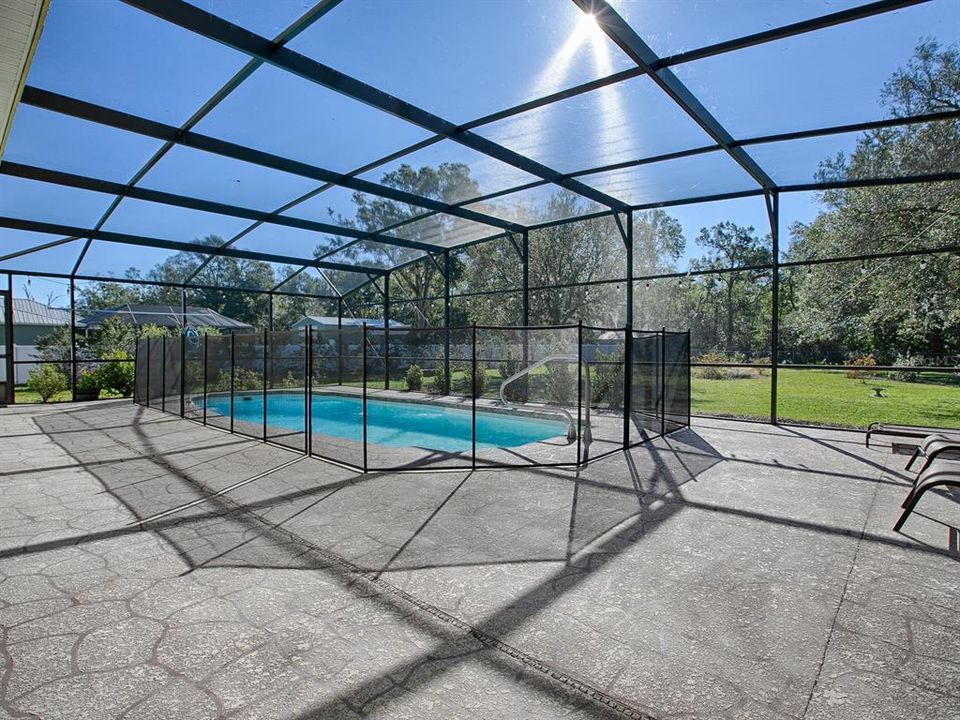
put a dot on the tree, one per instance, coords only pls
(889, 307)
(736, 300)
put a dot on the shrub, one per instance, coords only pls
(88, 381)
(46, 381)
(414, 377)
(439, 380)
(864, 361)
(117, 376)
(560, 384)
(289, 380)
(911, 376)
(510, 366)
(480, 374)
(607, 378)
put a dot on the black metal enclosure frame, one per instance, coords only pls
(628, 387)
(274, 51)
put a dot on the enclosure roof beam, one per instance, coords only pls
(151, 128)
(637, 50)
(57, 177)
(157, 283)
(214, 28)
(177, 245)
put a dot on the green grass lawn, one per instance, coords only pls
(24, 394)
(829, 397)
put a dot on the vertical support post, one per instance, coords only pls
(627, 383)
(526, 282)
(364, 397)
(266, 341)
(11, 368)
(686, 359)
(233, 351)
(663, 381)
(205, 344)
(73, 339)
(163, 373)
(525, 247)
(308, 389)
(628, 337)
(773, 212)
(270, 311)
(579, 390)
(473, 397)
(340, 341)
(147, 365)
(386, 331)
(183, 351)
(447, 315)
(629, 244)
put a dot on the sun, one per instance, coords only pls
(587, 28)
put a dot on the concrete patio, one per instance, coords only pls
(154, 568)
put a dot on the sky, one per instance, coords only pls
(460, 59)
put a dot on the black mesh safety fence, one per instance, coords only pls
(249, 363)
(286, 397)
(155, 373)
(400, 398)
(417, 404)
(172, 368)
(217, 405)
(645, 416)
(529, 399)
(335, 420)
(141, 373)
(676, 379)
(193, 376)
(603, 372)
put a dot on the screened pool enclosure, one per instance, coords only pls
(569, 177)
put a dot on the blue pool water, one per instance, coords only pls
(394, 424)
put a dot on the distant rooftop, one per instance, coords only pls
(31, 312)
(165, 316)
(331, 321)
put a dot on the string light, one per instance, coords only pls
(923, 264)
(863, 268)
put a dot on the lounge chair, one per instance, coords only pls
(943, 473)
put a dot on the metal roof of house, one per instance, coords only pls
(331, 321)
(165, 316)
(31, 312)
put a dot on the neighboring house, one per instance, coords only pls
(165, 316)
(328, 321)
(31, 321)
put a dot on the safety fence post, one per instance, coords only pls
(205, 344)
(266, 339)
(233, 349)
(163, 373)
(627, 382)
(473, 398)
(579, 391)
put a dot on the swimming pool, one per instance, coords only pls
(393, 424)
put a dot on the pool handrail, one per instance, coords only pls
(571, 425)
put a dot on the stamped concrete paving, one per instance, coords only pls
(153, 568)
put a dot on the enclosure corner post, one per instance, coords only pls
(233, 351)
(773, 213)
(73, 339)
(627, 382)
(663, 381)
(364, 406)
(386, 331)
(473, 397)
(266, 375)
(147, 366)
(579, 392)
(447, 315)
(163, 373)
(183, 351)
(308, 389)
(205, 351)
(340, 341)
